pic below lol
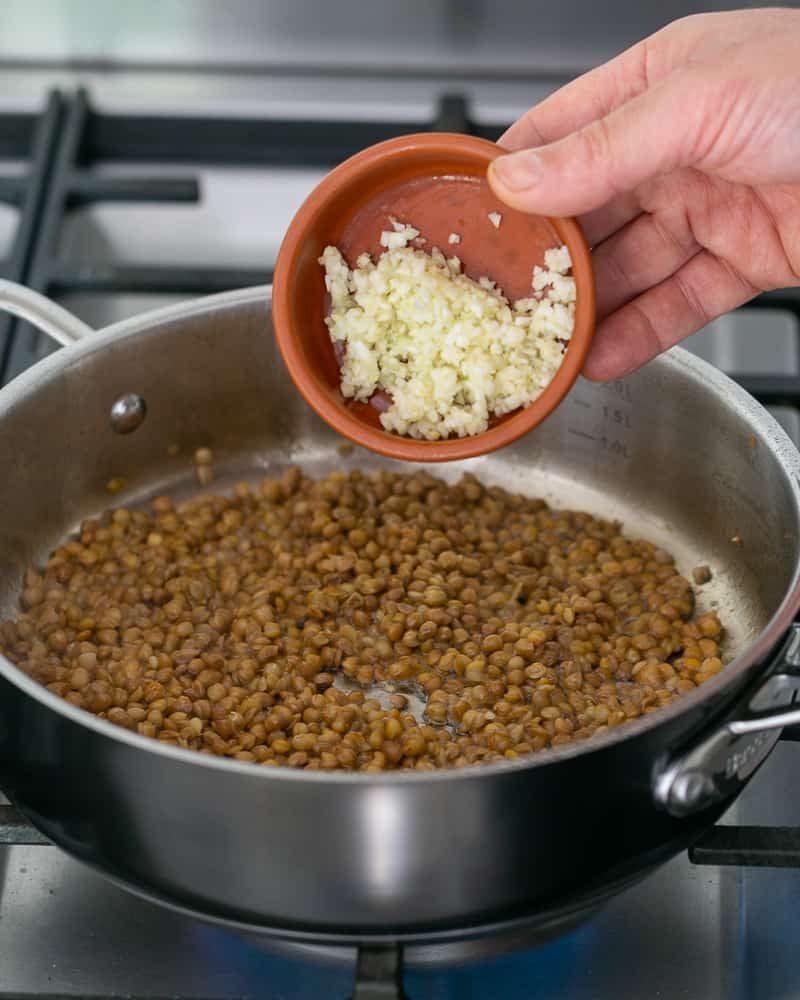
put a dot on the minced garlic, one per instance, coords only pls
(449, 351)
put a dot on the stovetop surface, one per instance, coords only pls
(685, 933)
(112, 232)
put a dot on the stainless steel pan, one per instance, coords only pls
(677, 452)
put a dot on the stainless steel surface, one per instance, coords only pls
(685, 933)
(368, 97)
(722, 760)
(750, 342)
(242, 843)
(48, 317)
(15, 829)
(349, 36)
(789, 419)
(755, 342)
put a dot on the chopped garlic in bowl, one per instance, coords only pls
(449, 352)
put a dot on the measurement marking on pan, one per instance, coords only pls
(614, 445)
(622, 389)
(615, 415)
(582, 402)
(581, 434)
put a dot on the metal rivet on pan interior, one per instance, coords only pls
(128, 413)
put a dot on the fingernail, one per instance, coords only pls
(518, 171)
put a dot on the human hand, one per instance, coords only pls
(682, 159)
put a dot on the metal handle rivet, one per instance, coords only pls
(690, 790)
(128, 413)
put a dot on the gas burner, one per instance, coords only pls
(380, 966)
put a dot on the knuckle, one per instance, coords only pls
(533, 133)
(596, 150)
(651, 341)
(673, 232)
(635, 69)
(596, 141)
(693, 299)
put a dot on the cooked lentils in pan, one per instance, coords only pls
(258, 626)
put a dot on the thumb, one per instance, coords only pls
(650, 135)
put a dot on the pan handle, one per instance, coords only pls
(51, 319)
(721, 762)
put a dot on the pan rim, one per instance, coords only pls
(771, 433)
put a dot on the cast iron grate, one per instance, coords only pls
(71, 137)
(88, 137)
(30, 139)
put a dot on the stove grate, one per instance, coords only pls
(31, 138)
(69, 138)
(88, 137)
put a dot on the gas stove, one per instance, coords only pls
(115, 199)
(688, 932)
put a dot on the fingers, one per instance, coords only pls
(606, 220)
(640, 256)
(591, 96)
(704, 288)
(649, 136)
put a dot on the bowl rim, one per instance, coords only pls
(482, 152)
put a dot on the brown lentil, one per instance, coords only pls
(226, 624)
(116, 485)
(701, 575)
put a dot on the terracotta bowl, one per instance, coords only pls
(436, 182)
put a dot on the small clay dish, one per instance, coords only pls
(437, 183)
